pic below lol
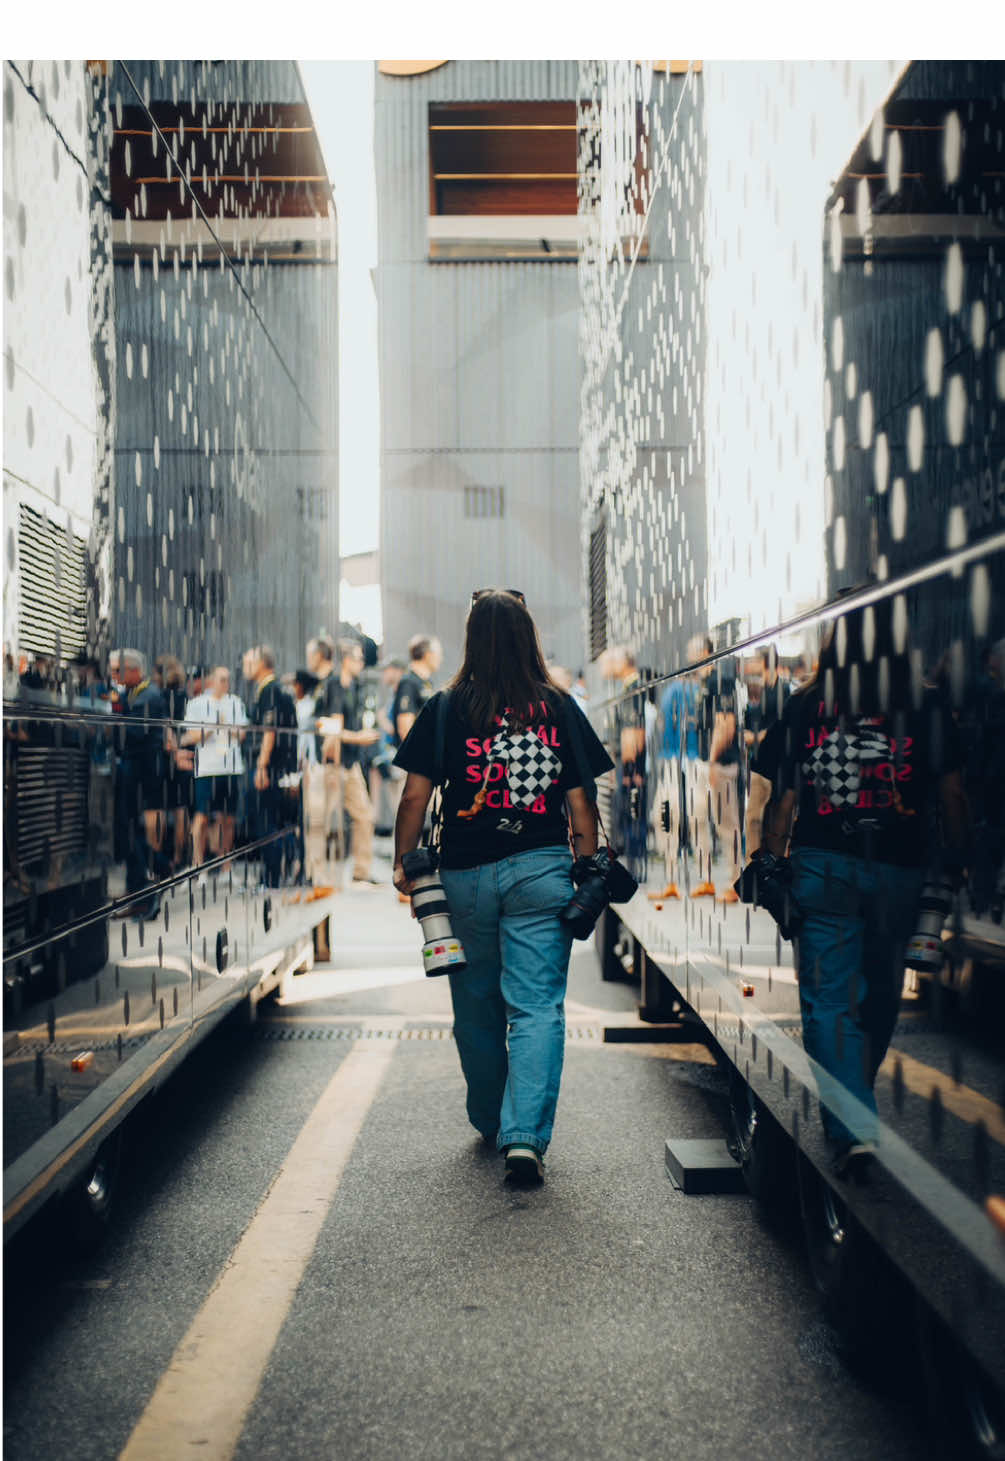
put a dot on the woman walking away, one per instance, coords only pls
(512, 784)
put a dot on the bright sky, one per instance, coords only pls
(340, 95)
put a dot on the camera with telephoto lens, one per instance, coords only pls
(441, 952)
(599, 880)
(766, 882)
(925, 950)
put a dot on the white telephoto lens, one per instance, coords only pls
(443, 956)
(925, 950)
(441, 952)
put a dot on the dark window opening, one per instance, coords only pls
(483, 502)
(504, 157)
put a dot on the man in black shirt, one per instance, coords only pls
(415, 686)
(274, 749)
(141, 772)
(340, 720)
(322, 792)
(758, 718)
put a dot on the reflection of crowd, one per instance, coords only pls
(855, 771)
(683, 749)
(188, 770)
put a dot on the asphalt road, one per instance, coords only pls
(393, 1298)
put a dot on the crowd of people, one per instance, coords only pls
(299, 762)
(850, 764)
(685, 751)
(304, 753)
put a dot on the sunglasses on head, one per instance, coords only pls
(514, 591)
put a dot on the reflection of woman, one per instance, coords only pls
(863, 765)
(505, 867)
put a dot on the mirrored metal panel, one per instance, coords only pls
(170, 506)
(792, 462)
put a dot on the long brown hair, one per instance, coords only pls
(503, 667)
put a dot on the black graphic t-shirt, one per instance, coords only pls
(861, 781)
(412, 694)
(500, 828)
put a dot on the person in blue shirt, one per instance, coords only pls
(678, 751)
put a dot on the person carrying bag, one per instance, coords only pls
(504, 754)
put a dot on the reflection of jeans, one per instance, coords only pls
(506, 917)
(858, 917)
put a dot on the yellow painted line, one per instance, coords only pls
(201, 1400)
(968, 1105)
(392, 1024)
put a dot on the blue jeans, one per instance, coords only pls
(858, 916)
(506, 917)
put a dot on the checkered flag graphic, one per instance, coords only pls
(835, 767)
(531, 766)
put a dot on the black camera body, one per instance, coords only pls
(766, 882)
(599, 880)
(420, 863)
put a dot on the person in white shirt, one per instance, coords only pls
(304, 686)
(219, 764)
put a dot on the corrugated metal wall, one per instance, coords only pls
(231, 539)
(643, 471)
(479, 387)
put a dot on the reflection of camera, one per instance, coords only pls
(924, 949)
(599, 880)
(441, 952)
(766, 882)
